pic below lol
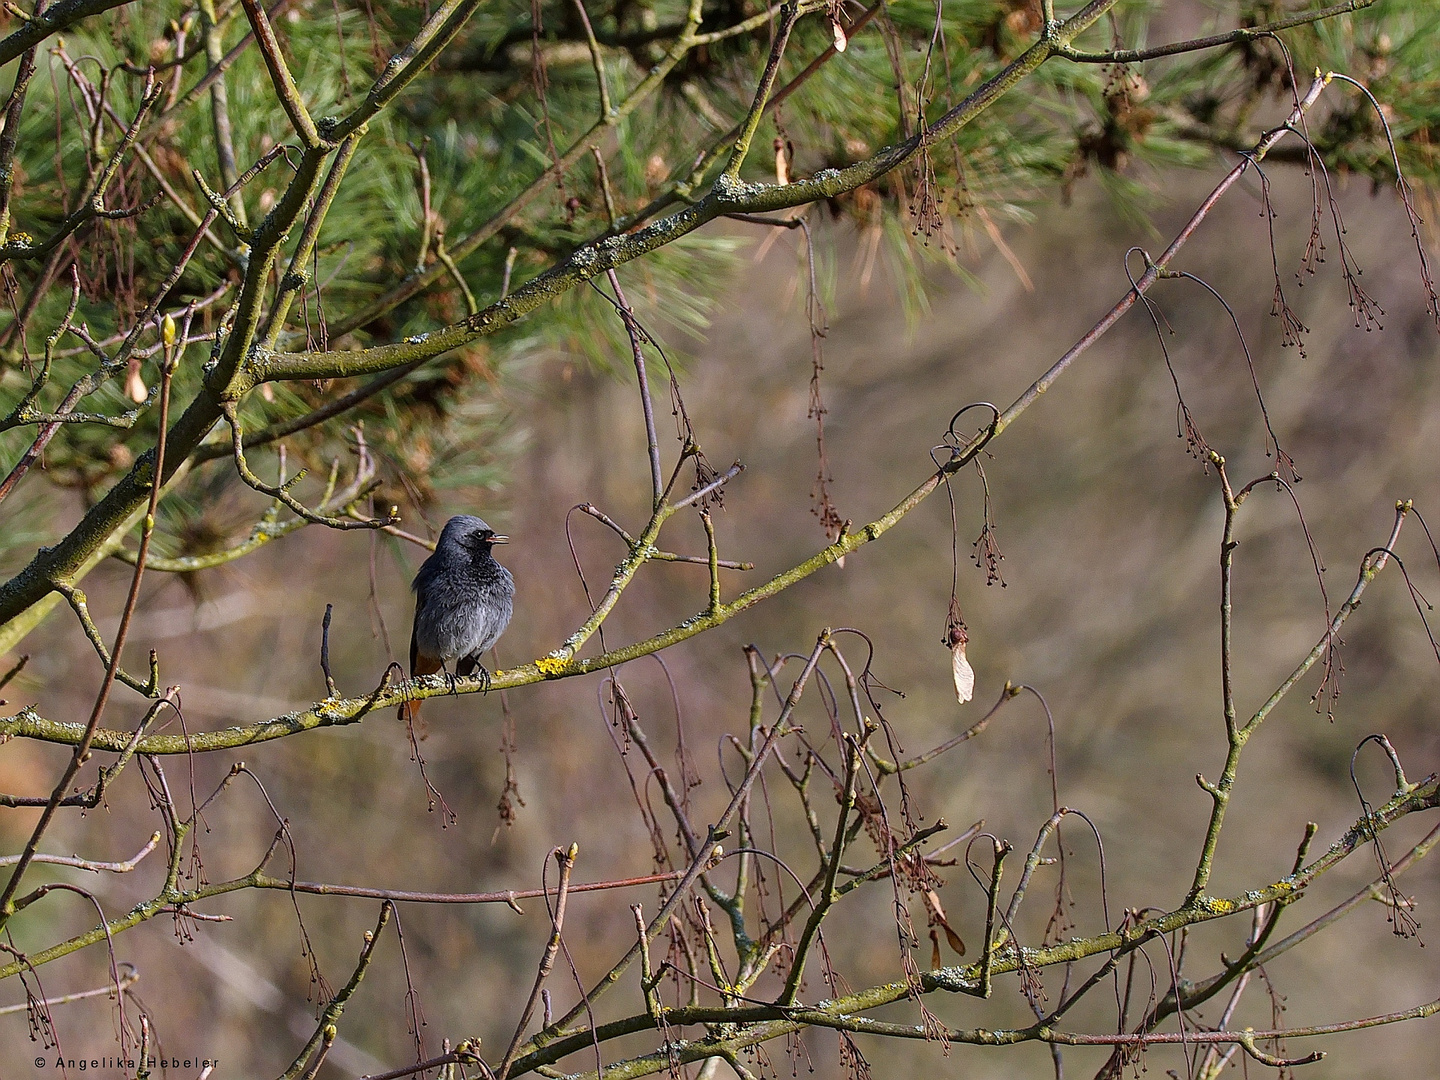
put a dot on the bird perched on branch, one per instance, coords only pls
(463, 601)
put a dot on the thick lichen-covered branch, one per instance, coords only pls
(55, 19)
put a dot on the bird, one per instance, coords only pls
(463, 603)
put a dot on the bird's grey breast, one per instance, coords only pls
(490, 613)
(462, 608)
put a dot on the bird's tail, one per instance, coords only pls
(420, 664)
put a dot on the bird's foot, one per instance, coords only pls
(484, 677)
(451, 684)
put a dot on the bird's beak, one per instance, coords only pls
(499, 539)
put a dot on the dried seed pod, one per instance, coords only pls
(957, 638)
(838, 32)
(937, 918)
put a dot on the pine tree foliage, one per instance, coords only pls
(482, 127)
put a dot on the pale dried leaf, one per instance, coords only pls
(964, 674)
(135, 388)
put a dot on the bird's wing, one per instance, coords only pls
(420, 664)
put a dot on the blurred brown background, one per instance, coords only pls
(1110, 534)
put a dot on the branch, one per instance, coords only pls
(82, 747)
(637, 336)
(828, 894)
(56, 18)
(127, 980)
(264, 532)
(325, 1032)
(726, 197)
(1238, 736)
(92, 205)
(566, 859)
(217, 70)
(407, 64)
(21, 414)
(1009, 693)
(552, 1046)
(843, 1012)
(77, 601)
(789, 15)
(767, 1023)
(10, 137)
(702, 862)
(330, 410)
(422, 279)
(281, 492)
(294, 280)
(1204, 989)
(123, 867)
(212, 36)
(504, 896)
(1244, 33)
(598, 62)
(280, 77)
(1372, 564)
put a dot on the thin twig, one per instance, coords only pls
(566, 859)
(789, 15)
(280, 77)
(128, 978)
(122, 867)
(636, 335)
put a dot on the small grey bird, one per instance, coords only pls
(463, 601)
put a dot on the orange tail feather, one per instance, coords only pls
(421, 665)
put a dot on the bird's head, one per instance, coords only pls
(471, 533)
